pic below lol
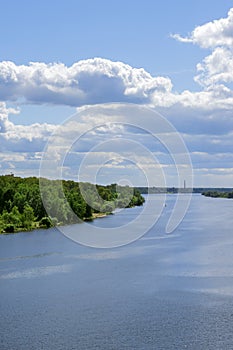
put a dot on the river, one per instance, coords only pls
(163, 291)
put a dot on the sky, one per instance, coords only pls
(174, 57)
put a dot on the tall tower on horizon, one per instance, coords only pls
(184, 184)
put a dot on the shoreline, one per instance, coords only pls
(37, 227)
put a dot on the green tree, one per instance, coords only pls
(28, 217)
(13, 217)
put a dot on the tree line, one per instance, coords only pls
(23, 202)
(217, 194)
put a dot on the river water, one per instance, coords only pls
(164, 291)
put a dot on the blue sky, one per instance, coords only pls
(186, 75)
(135, 33)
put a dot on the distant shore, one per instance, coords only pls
(218, 194)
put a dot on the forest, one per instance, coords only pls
(23, 202)
(217, 194)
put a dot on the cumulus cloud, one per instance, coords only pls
(21, 146)
(212, 34)
(217, 67)
(99, 81)
(4, 113)
(204, 117)
(85, 82)
(21, 138)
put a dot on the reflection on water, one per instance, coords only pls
(36, 272)
(164, 291)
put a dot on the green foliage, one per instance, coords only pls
(28, 216)
(21, 205)
(12, 217)
(218, 194)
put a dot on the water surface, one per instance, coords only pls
(161, 292)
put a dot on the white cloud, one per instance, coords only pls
(100, 80)
(4, 112)
(204, 117)
(85, 82)
(212, 34)
(215, 68)
(21, 138)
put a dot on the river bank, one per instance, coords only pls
(37, 226)
(31, 203)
